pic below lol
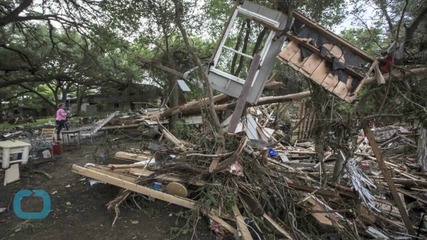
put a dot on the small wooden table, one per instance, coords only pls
(71, 138)
(7, 148)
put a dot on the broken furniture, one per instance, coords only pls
(11, 174)
(71, 138)
(230, 79)
(13, 152)
(47, 134)
(42, 141)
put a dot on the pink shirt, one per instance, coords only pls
(61, 114)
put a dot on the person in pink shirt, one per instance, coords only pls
(61, 118)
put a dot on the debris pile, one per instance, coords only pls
(260, 187)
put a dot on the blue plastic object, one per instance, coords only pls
(272, 152)
(157, 186)
(102, 157)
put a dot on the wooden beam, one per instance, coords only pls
(114, 180)
(277, 226)
(241, 102)
(328, 34)
(120, 127)
(389, 180)
(223, 223)
(398, 75)
(132, 156)
(241, 225)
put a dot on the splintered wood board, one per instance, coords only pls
(132, 156)
(113, 180)
(289, 51)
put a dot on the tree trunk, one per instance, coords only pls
(1, 111)
(206, 82)
(194, 107)
(422, 149)
(81, 92)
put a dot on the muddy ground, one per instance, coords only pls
(79, 210)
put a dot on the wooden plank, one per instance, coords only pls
(289, 51)
(120, 127)
(116, 174)
(311, 64)
(340, 90)
(127, 183)
(241, 225)
(320, 73)
(330, 82)
(166, 177)
(92, 173)
(223, 223)
(277, 226)
(388, 179)
(407, 193)
(297, 59)
(132, 156)
(168, 135)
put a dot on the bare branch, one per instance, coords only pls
(13, 16)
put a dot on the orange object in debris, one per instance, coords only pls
(56, 148)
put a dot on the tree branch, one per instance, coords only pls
(411, 29)
(38, 94)
(12, 16)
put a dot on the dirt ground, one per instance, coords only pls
(79, 210)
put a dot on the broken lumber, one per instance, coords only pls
(131, 156)
(241, 225)
(277, 226)
(398, 75)
(168, 135)
(388, 179)
(116, 181)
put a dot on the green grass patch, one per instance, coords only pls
(39, 122)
